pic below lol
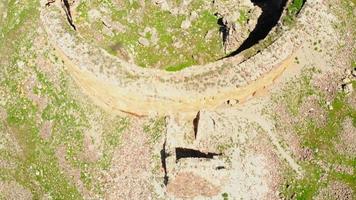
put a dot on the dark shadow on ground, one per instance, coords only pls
(191, 153)
(271, 13)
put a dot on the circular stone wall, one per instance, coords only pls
(118, 85)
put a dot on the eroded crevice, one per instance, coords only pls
(69, 14)
(271, 13)
(224, 30)
(192, 153)
(164, 155)
(196, 124)
(66, 7)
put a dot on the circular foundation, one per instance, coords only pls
(119, 85)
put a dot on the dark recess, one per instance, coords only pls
(223, 29)
(220, 167)
(164, 155)
(67, 11)
(195, 124)
(191, 153)
(271, 13)
(69, 14)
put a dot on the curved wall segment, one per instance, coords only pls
(120, 86)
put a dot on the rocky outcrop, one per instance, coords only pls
(237, 20)
(347, 82)
(229, 154)
(183, 157)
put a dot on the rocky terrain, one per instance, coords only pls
(177, 99)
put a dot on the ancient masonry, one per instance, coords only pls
(120, 86)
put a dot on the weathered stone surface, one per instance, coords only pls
(189, 185)
(144, 41)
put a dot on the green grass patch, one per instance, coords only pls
(155, 128)
(179, 67)
(173, 49)
(37, 165)
(293, 9)
(320, 139)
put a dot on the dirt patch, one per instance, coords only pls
(306, 154)
(30, 85)
(328, 87)
(3, 114)
(336, 191)
(46, 130)
(347, 145)
(46, 62)
(351, 100)
(189, 185)
(285, 131)
(271, 162)
(344, 169)
(130, 174)
(93, 139)
(311, 109)
(72, 173)
(92, 151)
(14, 191)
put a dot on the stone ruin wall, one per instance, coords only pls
(208, 85)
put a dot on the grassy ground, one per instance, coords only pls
(322, 140)
(328, 165)
(293, 9)
(191, 45)
(27, 109)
